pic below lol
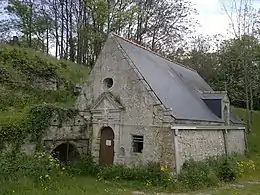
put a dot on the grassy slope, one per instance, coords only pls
(253, 138)
(20, 67)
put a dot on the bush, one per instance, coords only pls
(41, 168)
(208, 172)
(195, 175)
(225, 168)
(150, 174)
(86, 166)
(45, 170)
(33, 166)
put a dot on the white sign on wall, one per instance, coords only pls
(108, 143)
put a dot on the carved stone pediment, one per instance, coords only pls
(106, 102)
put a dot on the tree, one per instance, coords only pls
(243, 26)
(78, 29)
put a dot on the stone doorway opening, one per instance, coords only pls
(106, 152)
(66, 153)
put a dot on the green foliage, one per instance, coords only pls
(26, 108)
(36, 166)
(34, 126)
(41, 168)
(150, 174)
(22, 65)
(85, 167)
(195, 175)
(209, 172)
(225, 167)
(254, 137)
(20, 97)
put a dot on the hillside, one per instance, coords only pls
(29, 78)
(253, 138)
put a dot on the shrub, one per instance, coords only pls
(195, 175)
(41, 168)
(225, 167)
(209, 172)
(85, 166)
(32, 166)
(227, 170)
(150, 174)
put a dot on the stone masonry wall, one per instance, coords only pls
(158, 146)
(137, 117)
(199, 144)
(235, 141)
(74, 130)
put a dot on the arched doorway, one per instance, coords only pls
(66, 153)
(106, 151)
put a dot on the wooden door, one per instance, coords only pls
(106, 152)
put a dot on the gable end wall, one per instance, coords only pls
(142, 114)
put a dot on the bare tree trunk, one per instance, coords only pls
(47, 37)
(67, 30)
(72, 48)
(56, 29)
(30, 24)
(62, 30)
(79, 30)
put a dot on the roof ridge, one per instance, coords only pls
(149, 50)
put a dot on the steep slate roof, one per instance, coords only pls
(177, 87)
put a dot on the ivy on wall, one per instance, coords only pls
(26, 110)
(34, 126)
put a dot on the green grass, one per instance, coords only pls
(12, 57)
(21, 68)
(249, 189)
(64, 186)
(253, 138)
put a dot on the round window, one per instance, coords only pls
(108, 82)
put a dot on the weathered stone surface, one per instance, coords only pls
(235, 141)
(136, 118)
(199, 144)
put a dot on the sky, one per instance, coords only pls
(213, 18)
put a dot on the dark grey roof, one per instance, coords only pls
(177, 87)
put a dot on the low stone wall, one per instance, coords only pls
(200, 144)
(76, 131)
(235, 141)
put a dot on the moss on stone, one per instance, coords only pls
(26, 108)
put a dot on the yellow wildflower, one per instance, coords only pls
(162, 168)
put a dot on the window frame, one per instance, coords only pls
(108, 82)
(136, 140)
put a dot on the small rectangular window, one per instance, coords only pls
(138, 143)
